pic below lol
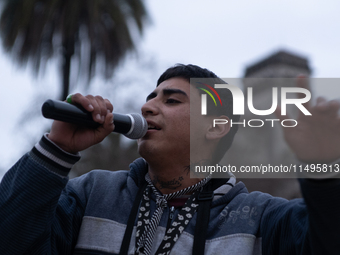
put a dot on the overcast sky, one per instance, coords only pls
(223, 36)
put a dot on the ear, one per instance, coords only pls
(220, 127)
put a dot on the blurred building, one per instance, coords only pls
(266, 145)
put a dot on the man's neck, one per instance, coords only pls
(171, 179)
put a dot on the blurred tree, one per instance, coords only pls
(91, 30)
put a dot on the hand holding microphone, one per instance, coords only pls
(92, 120)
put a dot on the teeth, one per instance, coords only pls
(152, 127)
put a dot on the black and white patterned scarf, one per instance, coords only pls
(146, 227)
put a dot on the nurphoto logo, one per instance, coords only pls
(239, 104)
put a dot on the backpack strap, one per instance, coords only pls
(131, 221)
(204, 198)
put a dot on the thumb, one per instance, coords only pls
(105, 129)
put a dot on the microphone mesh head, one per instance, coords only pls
(139, 126)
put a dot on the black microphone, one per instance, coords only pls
(133, 125)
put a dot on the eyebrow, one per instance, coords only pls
(166, 92)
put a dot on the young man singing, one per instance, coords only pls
(156, 208)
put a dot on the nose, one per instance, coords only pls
(150, 107)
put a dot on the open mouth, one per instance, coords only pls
(152, 127)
